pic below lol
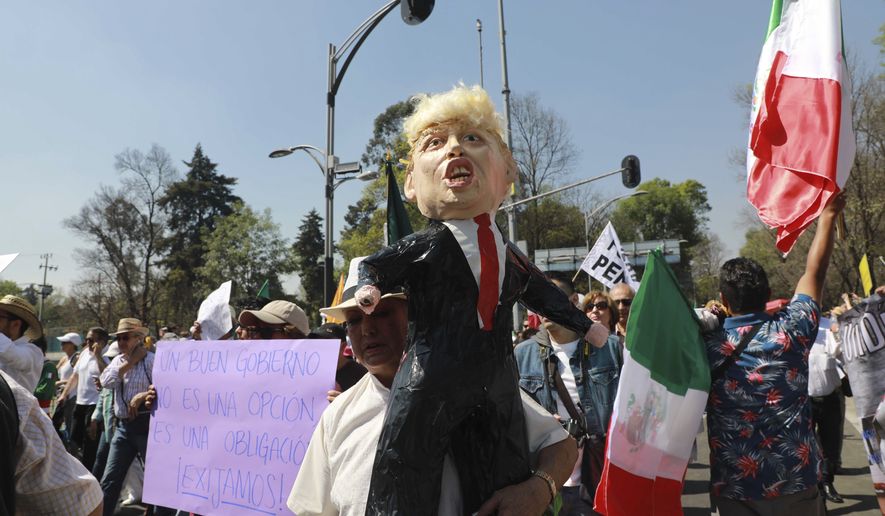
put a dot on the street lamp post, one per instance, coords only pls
(413, 13)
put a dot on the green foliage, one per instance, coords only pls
(666, 212)
(308, 251)
(387, 135)
(192, 206)
(549, 223)
(8, 287)
(245, 247)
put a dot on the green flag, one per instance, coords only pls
(264, 291)
(398, 224)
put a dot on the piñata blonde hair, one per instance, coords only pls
(462, 105)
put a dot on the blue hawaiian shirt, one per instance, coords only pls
(758, 414)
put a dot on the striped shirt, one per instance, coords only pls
(134, 381)
(48, 480)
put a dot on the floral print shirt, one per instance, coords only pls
(758, 414)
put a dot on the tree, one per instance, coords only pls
(363, 232)
(668, 211)
(387, 135)
(542, 145)
(544, 152)
(248, 248)
(125, 227)
(192, 206)
(706, 260)
(8, 287)
(308, 251)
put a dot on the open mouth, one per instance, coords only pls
(459, 173)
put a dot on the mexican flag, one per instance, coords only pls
(801, 140)
(661, 398)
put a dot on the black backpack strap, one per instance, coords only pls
(9, 430)
(732, 358)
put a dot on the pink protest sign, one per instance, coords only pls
(233, 421)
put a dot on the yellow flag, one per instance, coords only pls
(336, 300)
(866, 279)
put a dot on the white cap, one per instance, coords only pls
(73, 338)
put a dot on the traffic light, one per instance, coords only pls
(630, 176)
(416, 11)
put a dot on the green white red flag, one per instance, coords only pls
(802, 142)
(661, 397)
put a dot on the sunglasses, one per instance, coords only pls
(265, 332)
(625, 302)
(601, 305)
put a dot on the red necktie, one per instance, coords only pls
(488, 275)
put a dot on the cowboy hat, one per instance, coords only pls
(23, 310)
(350, 285)
(130, 325)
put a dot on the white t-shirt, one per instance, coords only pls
(337, 469)
(21, 360)
(564, 352)
(86, 369)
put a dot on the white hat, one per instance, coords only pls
(277, 312)
(112, 351)
(73, 338)
(350, 286)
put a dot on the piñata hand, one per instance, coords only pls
(597, 335)
(367, 297)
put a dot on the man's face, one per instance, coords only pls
(623, 298)
(265, 331)
(458, 172)
(9, 325)
(94, 344)
(378, 339)
(128, 342)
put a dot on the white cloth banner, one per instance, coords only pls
(607, 263)
(214, 314)
(6, 259)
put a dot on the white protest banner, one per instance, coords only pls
(606, 261)
(214, 314)
(6, 259)
(233, 421)
(862, 331)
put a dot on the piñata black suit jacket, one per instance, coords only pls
(457, 387)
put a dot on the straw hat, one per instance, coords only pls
(20, 308)
(350, 285)
(130, 325)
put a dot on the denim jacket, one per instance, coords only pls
(596, 373)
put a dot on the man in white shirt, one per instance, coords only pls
(86, 371)
(19, 358)
(335, 475)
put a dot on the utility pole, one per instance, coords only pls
(44, 288)
(479, 31)
(514, 188)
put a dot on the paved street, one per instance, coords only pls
(853, 484)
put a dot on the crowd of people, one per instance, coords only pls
(73, 433)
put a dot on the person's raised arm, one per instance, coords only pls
(812, 281)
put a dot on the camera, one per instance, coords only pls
(574, 429)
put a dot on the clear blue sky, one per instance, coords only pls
(83, 81)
